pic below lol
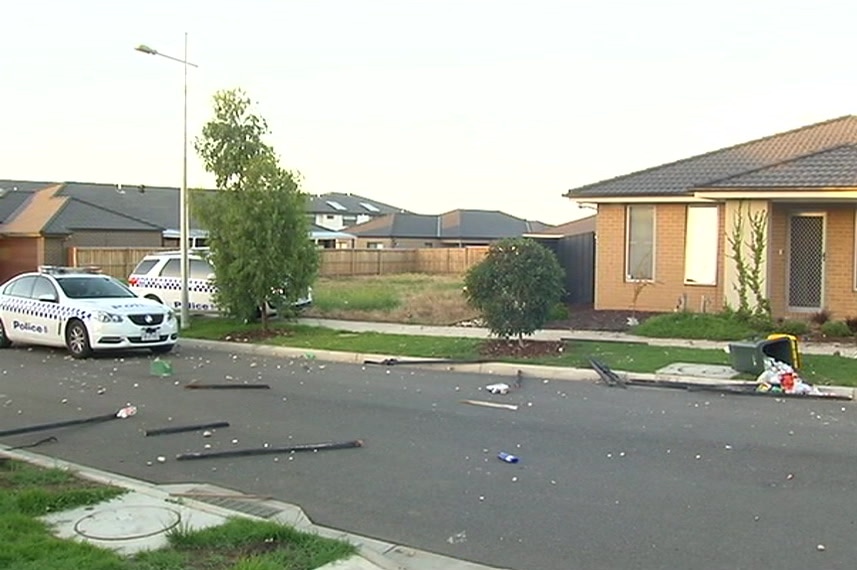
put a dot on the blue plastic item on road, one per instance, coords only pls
(507, 457)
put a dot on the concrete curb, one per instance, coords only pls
(491, 368)
(372, 553)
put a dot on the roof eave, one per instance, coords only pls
(639, 199)
(778, 194)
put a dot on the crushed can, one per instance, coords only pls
(507, 457)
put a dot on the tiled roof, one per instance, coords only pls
(10, 203)
(155, 205)
(457, 224)
(76, 215)
(680, 177)
(350, 204)
(834, 168)
(574, 227)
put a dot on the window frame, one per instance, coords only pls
(629, 278)
(715, 241)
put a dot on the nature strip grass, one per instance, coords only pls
(629, 357)
(27, 492)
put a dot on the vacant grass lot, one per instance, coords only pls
(26, 543)
(406, 298)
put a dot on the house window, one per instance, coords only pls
(700, 246)
(639, 242)
(375, 245)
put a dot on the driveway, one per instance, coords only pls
(608, 478)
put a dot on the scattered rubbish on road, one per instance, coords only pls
(195, 386)
(162, 459)
(798, 389)
(490, 404)
(182, 429)
(457, 538)
(502, 388)
(508, 457)
(324, 446)
(161, 368)
(122, 413)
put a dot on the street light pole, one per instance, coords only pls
(184, 217)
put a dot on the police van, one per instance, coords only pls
(158, 277)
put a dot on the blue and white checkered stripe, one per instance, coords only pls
(40, 309)
(175, 284)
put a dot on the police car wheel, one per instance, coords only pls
(77, 340)
(4, 340)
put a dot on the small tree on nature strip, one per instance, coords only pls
(258, 232)
(515, 287)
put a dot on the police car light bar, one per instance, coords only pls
(60, 270)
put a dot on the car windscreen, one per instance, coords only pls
(93, 288)
(144, 267)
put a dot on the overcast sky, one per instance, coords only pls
(428, 105)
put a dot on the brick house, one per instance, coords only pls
(337, 210)
(40, 221)
(667, 232)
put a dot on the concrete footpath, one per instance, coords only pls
(842, 349)
(142, 517)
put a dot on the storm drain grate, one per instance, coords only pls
(253, 508)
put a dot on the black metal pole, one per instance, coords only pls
(271, 450)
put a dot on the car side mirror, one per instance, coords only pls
(48, 298)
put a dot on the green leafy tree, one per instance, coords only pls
(515, 287)
(258, 232)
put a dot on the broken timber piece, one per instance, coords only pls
(490, 404)
(607, 376)
(122, 413)
(271, 450)
(194, 386)
(181, 429)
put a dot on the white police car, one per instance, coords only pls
(82, 311)
(158, 277)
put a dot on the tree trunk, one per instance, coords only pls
(264, 315)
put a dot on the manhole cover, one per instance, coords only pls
(127, 523)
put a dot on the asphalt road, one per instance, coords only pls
(609, 478)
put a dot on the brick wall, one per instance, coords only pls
(18, 255)
(838, 296)
(668, 290)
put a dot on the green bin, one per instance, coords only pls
(749, 357)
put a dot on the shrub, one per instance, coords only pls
(792, 327)
(820, 317)
(515, 287)
(852, 324)
(704, 326)
(559, 312)
(835, 329)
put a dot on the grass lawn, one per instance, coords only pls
(27, 492)
(631, 357)
(401, 298)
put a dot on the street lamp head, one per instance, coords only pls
(146, 49)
